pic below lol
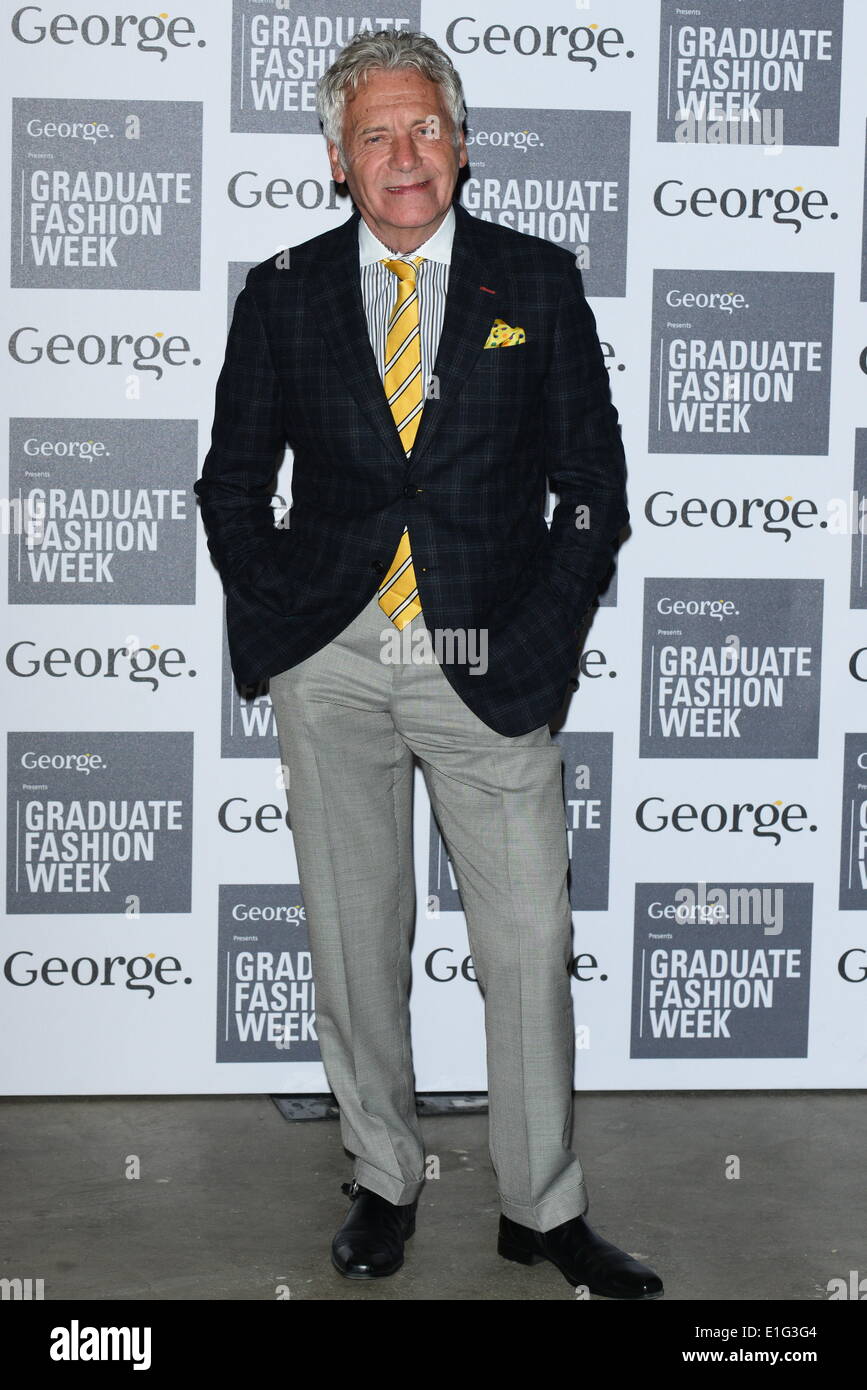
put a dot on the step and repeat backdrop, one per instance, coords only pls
(706, 164)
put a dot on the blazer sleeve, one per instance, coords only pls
(584, 456)
(247, 442)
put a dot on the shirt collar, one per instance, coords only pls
(437, 247)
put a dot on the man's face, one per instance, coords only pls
(403, 166)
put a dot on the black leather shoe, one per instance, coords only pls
(370, 1241)
(582, 1257)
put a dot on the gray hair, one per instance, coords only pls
(389, 49)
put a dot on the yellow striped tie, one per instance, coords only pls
(398, 594)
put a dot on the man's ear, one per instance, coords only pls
(338, 173)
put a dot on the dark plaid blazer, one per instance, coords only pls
(299, 368)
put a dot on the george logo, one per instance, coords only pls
(139, 974)
(585, 44)
(852, 965)
(148, 352)
(775, 516)
(235, 816)
(441, 967)
(140, 665)
(521, 140)
(246, 189)
(760, 819)
(151, 33)
(785, 207)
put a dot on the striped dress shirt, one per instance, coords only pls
(379, 290)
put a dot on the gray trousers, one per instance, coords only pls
(349, 724)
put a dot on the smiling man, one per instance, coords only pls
(403, 153)
(431, 373)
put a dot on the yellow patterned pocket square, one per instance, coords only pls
(501, 335)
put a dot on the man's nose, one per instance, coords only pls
(405, 153)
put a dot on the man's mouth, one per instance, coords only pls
(400, 188)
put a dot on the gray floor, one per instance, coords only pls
(233, 1202)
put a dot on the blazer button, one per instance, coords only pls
(411, 490)
(377, 566)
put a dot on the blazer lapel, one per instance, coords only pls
(334, 296)
(470, 310)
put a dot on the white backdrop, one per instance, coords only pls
(154, 939)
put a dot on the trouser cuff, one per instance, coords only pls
(546, 1215)
(396, 1190)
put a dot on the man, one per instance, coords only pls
(429, 371)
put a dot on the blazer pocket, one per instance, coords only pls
(520, 357)
(507, 369)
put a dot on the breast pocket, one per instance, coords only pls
(506, 373)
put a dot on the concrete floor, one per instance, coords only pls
(233, 1202)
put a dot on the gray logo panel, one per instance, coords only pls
(266, 997)
(107, 510)
(608, 595)
(99, 822)
(523, 186)
(443, 893)
(858, 583)
(279, 55)
(721, 970)
(740, 362)
(237, 275)
(724, 60)
(106, 194)
(587, 787)
(731, 668)
(248, 728)
(864, 229)
(853, 837)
